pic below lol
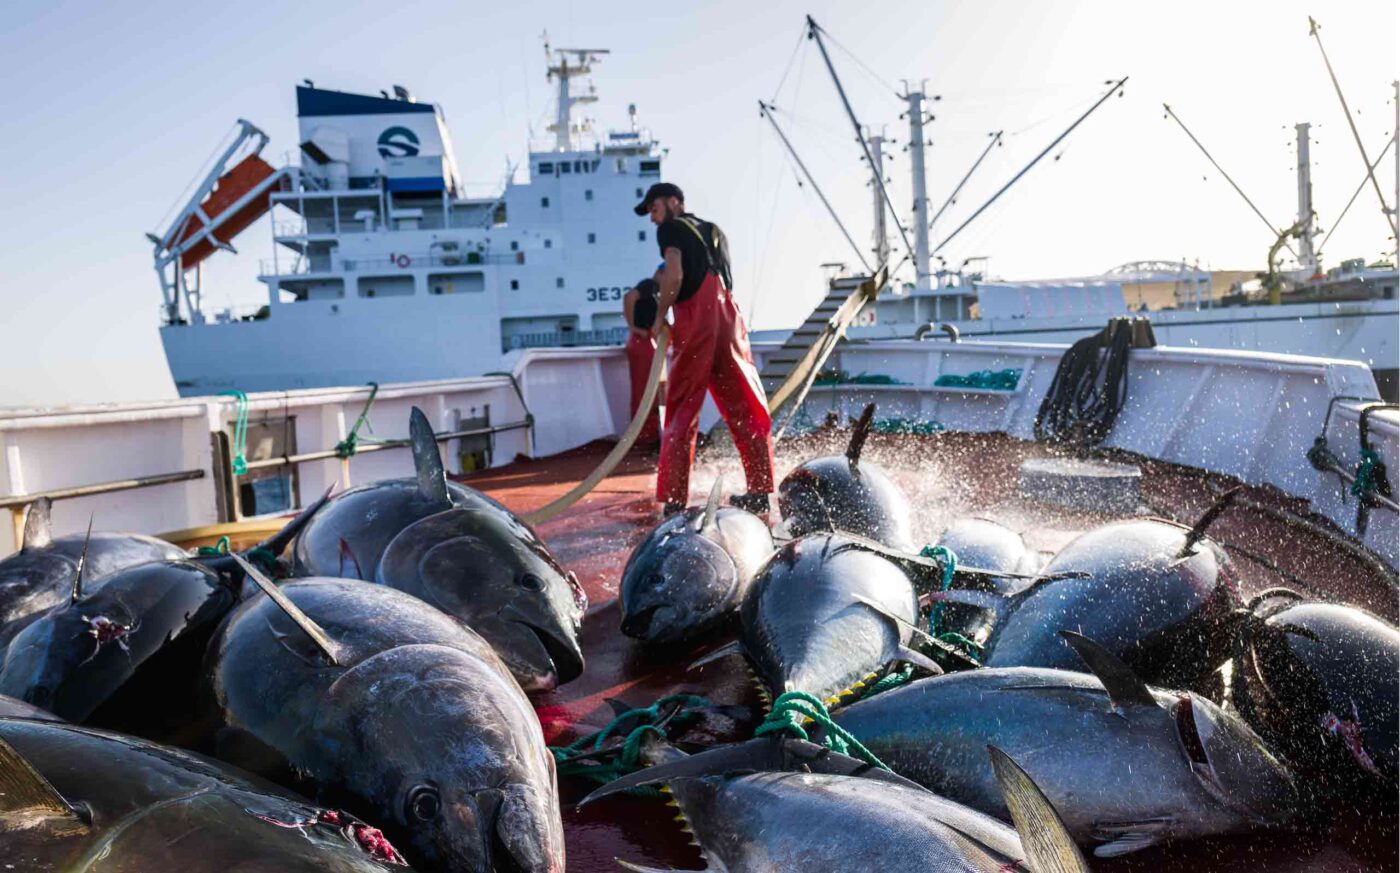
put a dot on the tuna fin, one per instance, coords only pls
(919, 659)
(349, 561)
(27, 798)
(1046, 840)
(618, 707)
(766, 754)
(1124, 844)
(859, 433)
(1122, 684)
(707, 518)
(432, 478)
(724, 651)
(38, 530)
(946, 650)
(301, 619)
(1198, 530)
(628, 865)
(77, 591)
(277, 543)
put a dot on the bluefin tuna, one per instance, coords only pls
(846, 493)
(771, 806)
(690, 574)
(460, 551)
(1321, 682)
(985, 545)
(1127, 766)
(824, 615)
(82, 799)
(375, 696)
(41, 574)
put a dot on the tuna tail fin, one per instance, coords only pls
(301, 619)
(707, 518)
(38, 530)
(859, 433)
(432, 477)
(27, 798)
(1124, 687)
(77, 591)
(1046, 840)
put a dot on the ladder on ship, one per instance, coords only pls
(788, 373)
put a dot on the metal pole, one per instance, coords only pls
(1272, 230)
(882, 239)
(1116, 86)
(766, 111)
(953, 198)
(1357, 193)
(915, 99)
(1305, 207)
(1313, 28)
(815, 32)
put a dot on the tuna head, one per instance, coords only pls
(1233, 764)
(493, 574)
(446, 754)
(689, 573)
(33, 581)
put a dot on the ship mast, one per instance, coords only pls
(882, 239)
(915, 98)
(561, 72)
(1307, 259)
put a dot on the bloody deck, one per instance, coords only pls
(947, 476)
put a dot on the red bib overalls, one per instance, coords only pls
(640, 351)
(710, 350)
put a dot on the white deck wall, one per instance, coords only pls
(1246, 414)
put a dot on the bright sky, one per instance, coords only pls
(110, 109)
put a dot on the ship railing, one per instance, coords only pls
(399, 262)
(611, 336)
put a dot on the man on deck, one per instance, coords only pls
(709, 351)
(639, 310)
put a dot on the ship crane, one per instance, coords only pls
(229, 198)
(561, 72)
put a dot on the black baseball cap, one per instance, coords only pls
(657, 191)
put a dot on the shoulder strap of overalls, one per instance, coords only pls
(709, 247)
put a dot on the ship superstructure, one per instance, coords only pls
(384, 269)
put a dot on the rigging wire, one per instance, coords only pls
(1313, 28)
(953, 198)
(816, 33)
(880, 80)
(1117, 88)
(763, 109)
(1357, 193)
(185, 193)
(1272, 230)
(788, 69)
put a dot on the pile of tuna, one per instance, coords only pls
(361, 702)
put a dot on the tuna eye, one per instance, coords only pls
(655, 580)
(531, 582)
(423, 803)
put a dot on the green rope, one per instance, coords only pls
(347, 447)
(219, 548)
(1364, 485)
(841, 377)
(935, 613)
(792, 709)
(240, 432)
(629, 755)
(994, 380)
(264, 558)
(888, 682)
(906, 426)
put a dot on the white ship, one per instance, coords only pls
(384, 270)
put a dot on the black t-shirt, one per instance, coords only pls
(644, 308)
(697, 258)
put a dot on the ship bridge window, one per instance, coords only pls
(301, 290)
(386, 286)
(641, 236)
(649, 168)
(592, 238)
(544, 202)
(565, 167)
(588, 194)
(456, 282)
(549, 243)
(514, 246)
(546, 168)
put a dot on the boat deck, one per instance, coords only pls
(947, 476)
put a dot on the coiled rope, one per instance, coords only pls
(679, 709)
(240, 431)
(793, 710)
